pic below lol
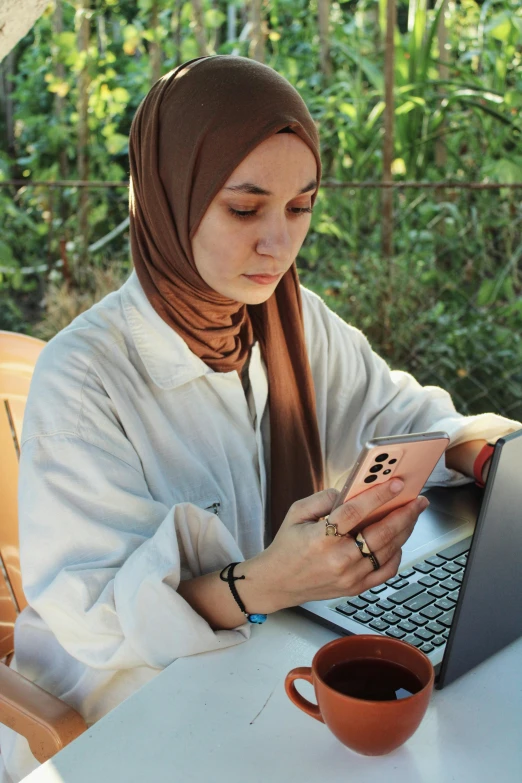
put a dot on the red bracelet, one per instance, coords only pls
(481, 459)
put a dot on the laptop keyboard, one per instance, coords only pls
(417, 605)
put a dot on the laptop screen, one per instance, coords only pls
(488, 615)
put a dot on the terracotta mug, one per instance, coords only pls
(372, 728)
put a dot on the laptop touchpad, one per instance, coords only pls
(435, 530)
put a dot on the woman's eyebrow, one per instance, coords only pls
(255, 190)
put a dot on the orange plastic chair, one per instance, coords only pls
(48, 723)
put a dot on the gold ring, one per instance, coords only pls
(364, 549)
(331, 530)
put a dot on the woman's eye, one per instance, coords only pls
(240, 213)
(301, 210)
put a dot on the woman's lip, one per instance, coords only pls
(263, 279)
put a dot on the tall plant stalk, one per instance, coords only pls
(59, 108)
(83, 38)
(441, 154)
(6, 74)
(323, 9)
(199, 27)
(389, 110)
(176, 27)
(257, 41)
(155, 48)
(387, 194)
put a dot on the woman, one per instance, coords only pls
(191, 419)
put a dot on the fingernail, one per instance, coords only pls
(396, 485)
(422, 502)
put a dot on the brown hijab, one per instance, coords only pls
(190, 132)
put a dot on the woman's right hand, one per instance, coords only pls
(303, 564)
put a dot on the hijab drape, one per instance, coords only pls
(190, 132)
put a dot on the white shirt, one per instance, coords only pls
(141, 466)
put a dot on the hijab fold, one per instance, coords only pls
(190, 132)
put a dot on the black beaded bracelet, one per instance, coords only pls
(230, 579)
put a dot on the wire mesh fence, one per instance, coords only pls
(446, 306)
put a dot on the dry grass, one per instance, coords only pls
(63, 303)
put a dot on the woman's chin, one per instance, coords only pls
(249, 293)
(259, 298)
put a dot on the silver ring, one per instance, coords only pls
(364, 549)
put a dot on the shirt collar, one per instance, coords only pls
(166, 356)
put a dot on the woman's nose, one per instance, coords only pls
(274, 239)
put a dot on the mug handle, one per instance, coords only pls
(302, 673)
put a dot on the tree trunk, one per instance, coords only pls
(257, 42)
(441, 151)
(6, 74)
(387, 193)
(231, 22)
(83, 130)
(155, 48)
(323, 7)
(59, 113)
(59, 102)
(199, 27)
(176, 28)
(102, 35)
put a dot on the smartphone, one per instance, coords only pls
(409, 457)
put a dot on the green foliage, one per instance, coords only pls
(449, 307)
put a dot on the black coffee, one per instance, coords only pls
(373, 679)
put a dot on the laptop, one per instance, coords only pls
(458, 593)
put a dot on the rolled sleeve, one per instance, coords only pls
(102, 560)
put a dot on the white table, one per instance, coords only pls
(224, 717)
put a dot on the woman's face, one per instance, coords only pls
(253, 229)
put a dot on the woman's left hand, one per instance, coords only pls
(463, 456)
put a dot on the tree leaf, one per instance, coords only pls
(116, 143)
(6, 254)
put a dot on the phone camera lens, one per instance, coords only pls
(385, 472)
(369, 479)
(381, 458)
(375, 468)
(392, 462)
